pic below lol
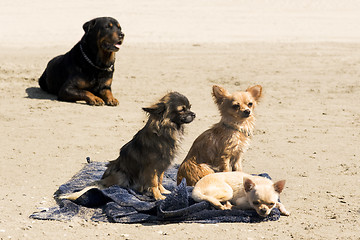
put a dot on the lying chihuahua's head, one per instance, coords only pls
(239, 105)
(263, 195)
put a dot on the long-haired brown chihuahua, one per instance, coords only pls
(220, 148)
(143, 160)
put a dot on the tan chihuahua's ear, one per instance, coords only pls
(279, 186)
(219, 94)
(248, 184)
(255, 91)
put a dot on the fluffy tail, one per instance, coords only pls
(192, 171)
(110, 178)
(75, 195)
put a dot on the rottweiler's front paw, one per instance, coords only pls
(96, 101)
(112, 102)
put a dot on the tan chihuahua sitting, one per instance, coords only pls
(238, 190)
(220, 148)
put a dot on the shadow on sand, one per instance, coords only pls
(38, 93)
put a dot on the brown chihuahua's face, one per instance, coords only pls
(239, 105)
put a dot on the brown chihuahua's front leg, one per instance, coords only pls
(237, 166)
(224, 164)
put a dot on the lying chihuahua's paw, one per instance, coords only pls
(282, 209)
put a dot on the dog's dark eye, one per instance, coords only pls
(270, 205)
(250, 104)
(183, 109)
(256, 202)
(236, 106)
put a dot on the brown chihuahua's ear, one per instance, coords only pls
(89, 25)
(248, 184)
(279, 186)
(157, 109)
(255, 91)
(219, 94)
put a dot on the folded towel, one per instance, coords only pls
(122, 205)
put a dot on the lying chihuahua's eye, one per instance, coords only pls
(250, 104)
(256, 203)
(271, 205)
(236, 106)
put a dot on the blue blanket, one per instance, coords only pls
(121, 205)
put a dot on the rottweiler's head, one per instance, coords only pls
(105, 32)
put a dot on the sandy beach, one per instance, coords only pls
(305, 54)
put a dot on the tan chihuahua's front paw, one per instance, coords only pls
(227, 206)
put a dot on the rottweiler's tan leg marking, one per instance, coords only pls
(109, 99)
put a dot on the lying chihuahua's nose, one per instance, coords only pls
(262, 211)
(247, 112)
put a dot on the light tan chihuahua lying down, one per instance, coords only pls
(239, 190)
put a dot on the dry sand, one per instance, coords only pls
(305, 54)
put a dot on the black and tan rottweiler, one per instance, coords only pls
(85, 72)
